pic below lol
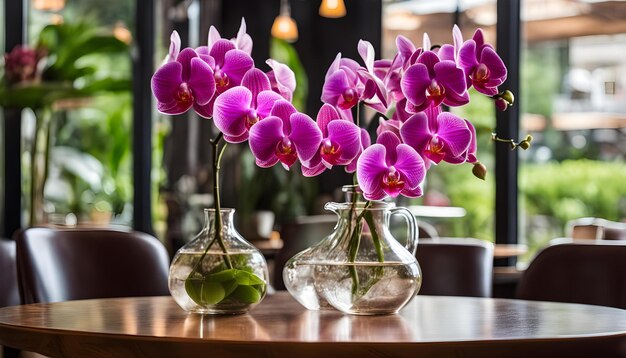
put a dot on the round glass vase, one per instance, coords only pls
(218, 274)
(359, 268)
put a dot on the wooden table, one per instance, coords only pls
(428, 327)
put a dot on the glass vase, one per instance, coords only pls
(359, 268)
(218, 274)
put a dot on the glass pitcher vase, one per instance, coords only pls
(218, 275)
(360, 268)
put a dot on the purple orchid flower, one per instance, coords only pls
(390, 167)
(431, 82)
(229, 59)
(241, 107)
(482, 65)
(285, 136)
(437, 136)
(282, 79)
(183, 83)
(340, 144)
(342, 87)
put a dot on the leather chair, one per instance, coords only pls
(455, 267)
(9, 292)
(298, 235)
(58, 265)
(577, 271)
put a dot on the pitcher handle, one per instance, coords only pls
(412, 233)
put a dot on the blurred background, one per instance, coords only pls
(82, 143)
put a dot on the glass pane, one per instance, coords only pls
(84, 126)
(573, 102)
(447, 185)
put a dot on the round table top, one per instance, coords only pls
(279, 326)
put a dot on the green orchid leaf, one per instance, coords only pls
(246, 294)
(230, 286)
(223, 276)
(248, 278)
(212, 292)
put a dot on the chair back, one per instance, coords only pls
(298, 235)
(58, 265)
(583, 271)
(9, 292)
(455, 267)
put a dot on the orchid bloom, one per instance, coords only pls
(390, 167)
(340, 144)
(482, 65)
(282, 79)
(342, 87)
(438, 136)
(178, 85)
(431, 82)
(285, 136)
(241, 107)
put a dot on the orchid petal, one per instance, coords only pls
(219, 49)
(256, 81)
(326, 114)
(236, 64)
(467, 57)
(471, 150)
(201, 81)
(174, 46)
(305, 135)
(413, 193)
(313, 170)
(265, 101)
(370, 168)
(166, 80)
(348, 136)
(243, 41)
(214, 36)
(493, 61)
(285, 78)
(205, 111)
(184, 58)
(426, 44)
(366, 50)
(455, 132)
(174, 108)
(283, 109)
(447, 52)
(410, 164)
(334, 66)
(450, 76)
(414, 84)
(429, 59)
(390, 141)
(415, 132)
(405, 47)
(230, 110)
(264, 136)
(334, 87)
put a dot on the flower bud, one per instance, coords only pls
(508, 97)
(479, 170)
(501, 104)
(524, 144)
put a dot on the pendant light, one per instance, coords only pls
(284, 26)
(333, 8)
(48, 5)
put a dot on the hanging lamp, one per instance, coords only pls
(332, 8)
(284, 26)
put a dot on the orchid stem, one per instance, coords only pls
(217, 156)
